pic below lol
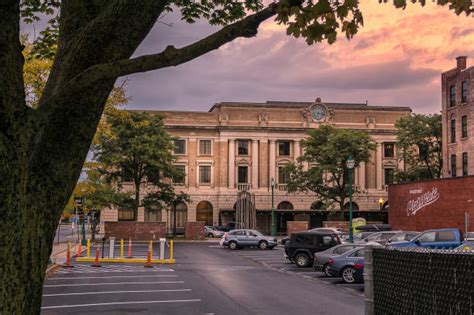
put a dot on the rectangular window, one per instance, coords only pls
(453, 130)
(243, 147)
(125, 214)
(205, 147)
(464, 92)
(464, 126)
(243, 174)
(282, 175)
(388, 172)
(464, 164)
(452, 96)
(181, 177)
(453, 165)
(180, 146)
(284, 148)
(389, 150)
(205, 174)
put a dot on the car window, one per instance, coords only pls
(325, 240)
(469, 235)
(252, 233)
(343, 249)
(445, 236)
(386, 236)
(398, 237)
(410, 236)
(237, 233)
(357, 253)
(427, 237)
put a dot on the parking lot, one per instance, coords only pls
(275, 259)
(84, 289)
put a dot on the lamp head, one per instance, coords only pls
(381, 201)
(350, 163)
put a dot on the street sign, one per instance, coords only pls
(74, 219)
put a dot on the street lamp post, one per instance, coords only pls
(350, 163)
(273, 207)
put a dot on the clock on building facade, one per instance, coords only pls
(318, 112)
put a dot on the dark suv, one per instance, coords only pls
(302, 245)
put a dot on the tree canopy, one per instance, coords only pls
(420, 147)
(137, 149)
(326, 152)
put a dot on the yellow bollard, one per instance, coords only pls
(121, 248)
(88, 248)
(171, 249)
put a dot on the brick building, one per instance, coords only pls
(457, 116)
(241, 146)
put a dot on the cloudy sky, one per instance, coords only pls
(395, 59)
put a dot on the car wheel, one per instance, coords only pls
(233, 245)
(326, 270)
(348, 275)
(302, 260)
(263, 245)
(210, 235)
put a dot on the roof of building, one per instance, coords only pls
(291, 104)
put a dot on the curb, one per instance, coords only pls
(51, 269)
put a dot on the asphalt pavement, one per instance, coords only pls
(207, 279)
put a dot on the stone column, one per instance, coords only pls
(362, 175)
(272, 159)
(231, 165)
(378, 165)
(297, 150)
(255, 155)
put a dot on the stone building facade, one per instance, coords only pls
(457, 116)
(241, 146)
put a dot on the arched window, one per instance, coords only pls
(318, 205)
(285, 205)
(180, 212)
(355, 206)
(153, 213)
(204, 212)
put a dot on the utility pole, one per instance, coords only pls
(273, 207)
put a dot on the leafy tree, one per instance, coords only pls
(419, 140)
(42, 149)
(326, 150)
(136, 148)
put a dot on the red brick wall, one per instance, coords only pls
(296, 226)
(137, 231)
(194, 230)
(431, 204)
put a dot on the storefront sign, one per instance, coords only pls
(422, 201)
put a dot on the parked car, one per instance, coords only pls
(340, 232)
(442, 238)
(245, 238)
(349, 266)
(469, 236)
(379, 237)
(403, 236)
(466, 246)
(321, 259)
(226, 228)
(211, 231)
(374, 227)
(301, 247)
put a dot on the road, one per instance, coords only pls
(206, 280)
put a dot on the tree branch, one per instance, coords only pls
(171, 56)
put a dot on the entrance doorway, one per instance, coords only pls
(204, 212)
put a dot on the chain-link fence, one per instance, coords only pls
(423, 281)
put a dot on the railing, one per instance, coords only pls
(282, 187)
(243, 187)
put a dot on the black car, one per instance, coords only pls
(301, 246)
(226, 228)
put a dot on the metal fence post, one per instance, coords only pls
(369, 281)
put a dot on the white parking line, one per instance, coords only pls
(108, 277)
(119, 303)
(116, 292)
(106, 283)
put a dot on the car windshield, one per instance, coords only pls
(466, 246)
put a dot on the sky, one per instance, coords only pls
(396, 59)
